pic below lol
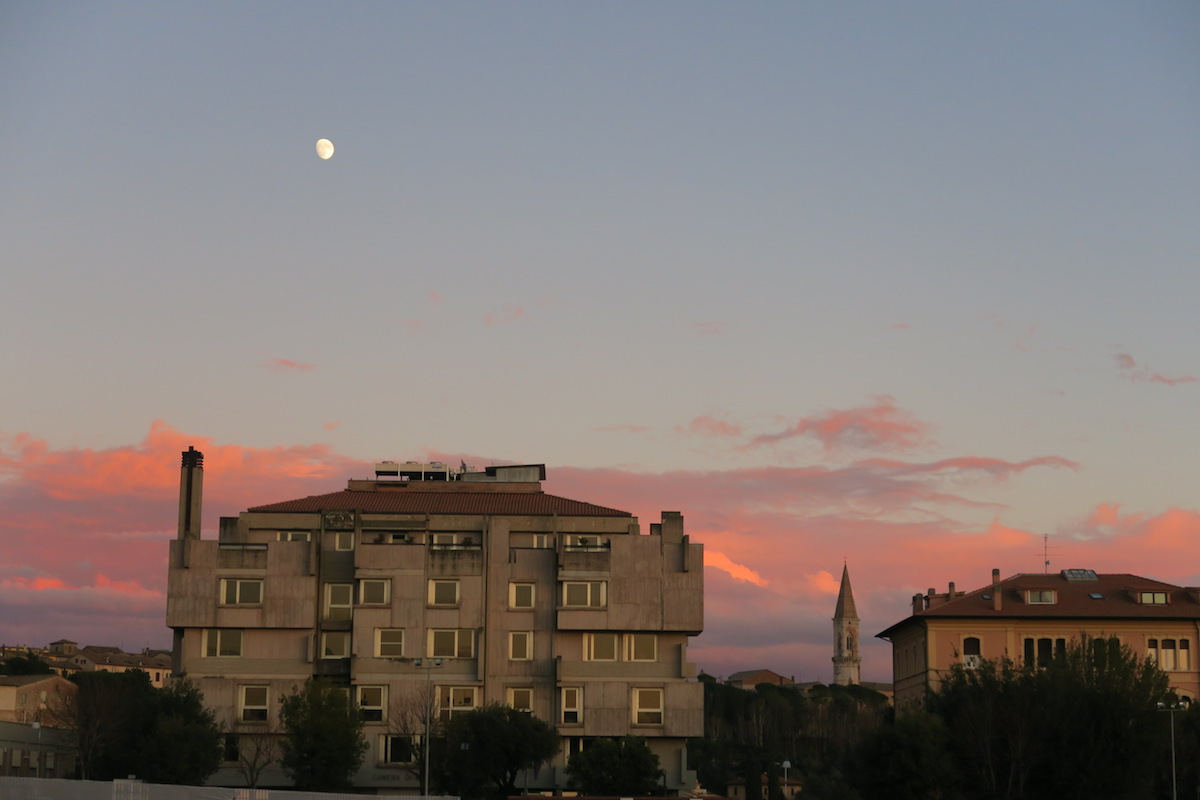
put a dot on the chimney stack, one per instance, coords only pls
(191, 490)
(997, 598)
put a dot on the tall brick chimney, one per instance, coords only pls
(997, 595)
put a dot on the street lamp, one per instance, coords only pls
(1171, 708)
(786, 766)
(428, 665)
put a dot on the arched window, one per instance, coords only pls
(971, 652)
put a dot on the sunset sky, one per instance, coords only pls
(905, 286)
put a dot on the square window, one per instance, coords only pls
(521, 699)
(335, 644)
(520, 595)
(456, 699)
(343, 540)
(520, 645)
(1040, 596)
(241, 591)
(443, 593)
(1154, 598)
(374, 591)
(389, 642)
(600, 646)
(372, 703)
(641, 647)
(454, 643)
(222, 643)
(339, 600)
(398, 749)
(584, 594)
(647, 706)
(572, 705)
(253, 703)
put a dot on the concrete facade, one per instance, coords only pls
(447, 587)
(1030, 617)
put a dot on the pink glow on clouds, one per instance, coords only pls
(331, 426)
(286, 365)
(881, 426)
(1136, 373)
(710, 426)
(505, 316)
(87, 532)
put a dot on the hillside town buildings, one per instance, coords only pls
(1030, 618)
(455, 587)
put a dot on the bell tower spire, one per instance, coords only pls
(846, 660)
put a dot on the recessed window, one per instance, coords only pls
(1154, 598)
(372, 703)
(1041, 651)
(971, 652)
(339, 600)
(600, 646)
(253, 704)
(1039, 596)
(457, 643)
(443, 593)
(241, 591)
(579, 542)
(584, 594)
(389, 642)
(521, 699)
(343, 540)
(223, 643)
(572, 705)
(641, 647)
(647, 706)
(374, 591)
(520, 645)
(398, 749)
(456, 700)
(293, 536)
(520, 595)
(335, 644)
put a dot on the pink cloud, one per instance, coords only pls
(331, 426)
(881, 426)
(505, 316)
(285, 364)
(709, 426)
(1136, 373)
(708, 328)
(737, 571)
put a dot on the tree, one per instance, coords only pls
(28, 664)
(412, 715)
(1083, 724)
(906, 760)
(253, 755)
(183, 743)
(616, 767)
(487, 748)
(323, 744)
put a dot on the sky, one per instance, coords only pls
(905, 287)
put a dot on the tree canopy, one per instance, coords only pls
(615, 767)
(323, 745)
(486, 749)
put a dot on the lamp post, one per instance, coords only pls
(1171, 708)
(786, 766)
(428, 665)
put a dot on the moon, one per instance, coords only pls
(324, 149)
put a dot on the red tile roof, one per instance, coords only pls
(444, 502)
(1109, 596)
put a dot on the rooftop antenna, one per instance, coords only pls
(1046, 553)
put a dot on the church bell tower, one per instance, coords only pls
(846, 660)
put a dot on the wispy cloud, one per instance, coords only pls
(284, 364)
(709, 426)
(1132, 371)
(881, 426)
(505, 316)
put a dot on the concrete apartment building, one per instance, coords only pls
(1031, 617)
(469, 587)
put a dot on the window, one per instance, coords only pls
(647, 706)
(372, 703)
(335, 644)
(374, 591)
(1185, 655)
(241, 592)
(389, 642)
(584, 594)
(521, 699)
(971, 653)
(253, 704)
(1167, 656)
(443, 593)
(452, 643)
(397, 749)
(230, 749)
(577, 542)
(520, 645)
(1154, 598)
(343, 540)
(455, 541)
(641, 647)
(600, 647)
(520, 595)
(572, 705)
(1042, 651)
(1039, 596)
(456, 699)
(292, 536)
(339, 600)
(542, 541)
(222, 643)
